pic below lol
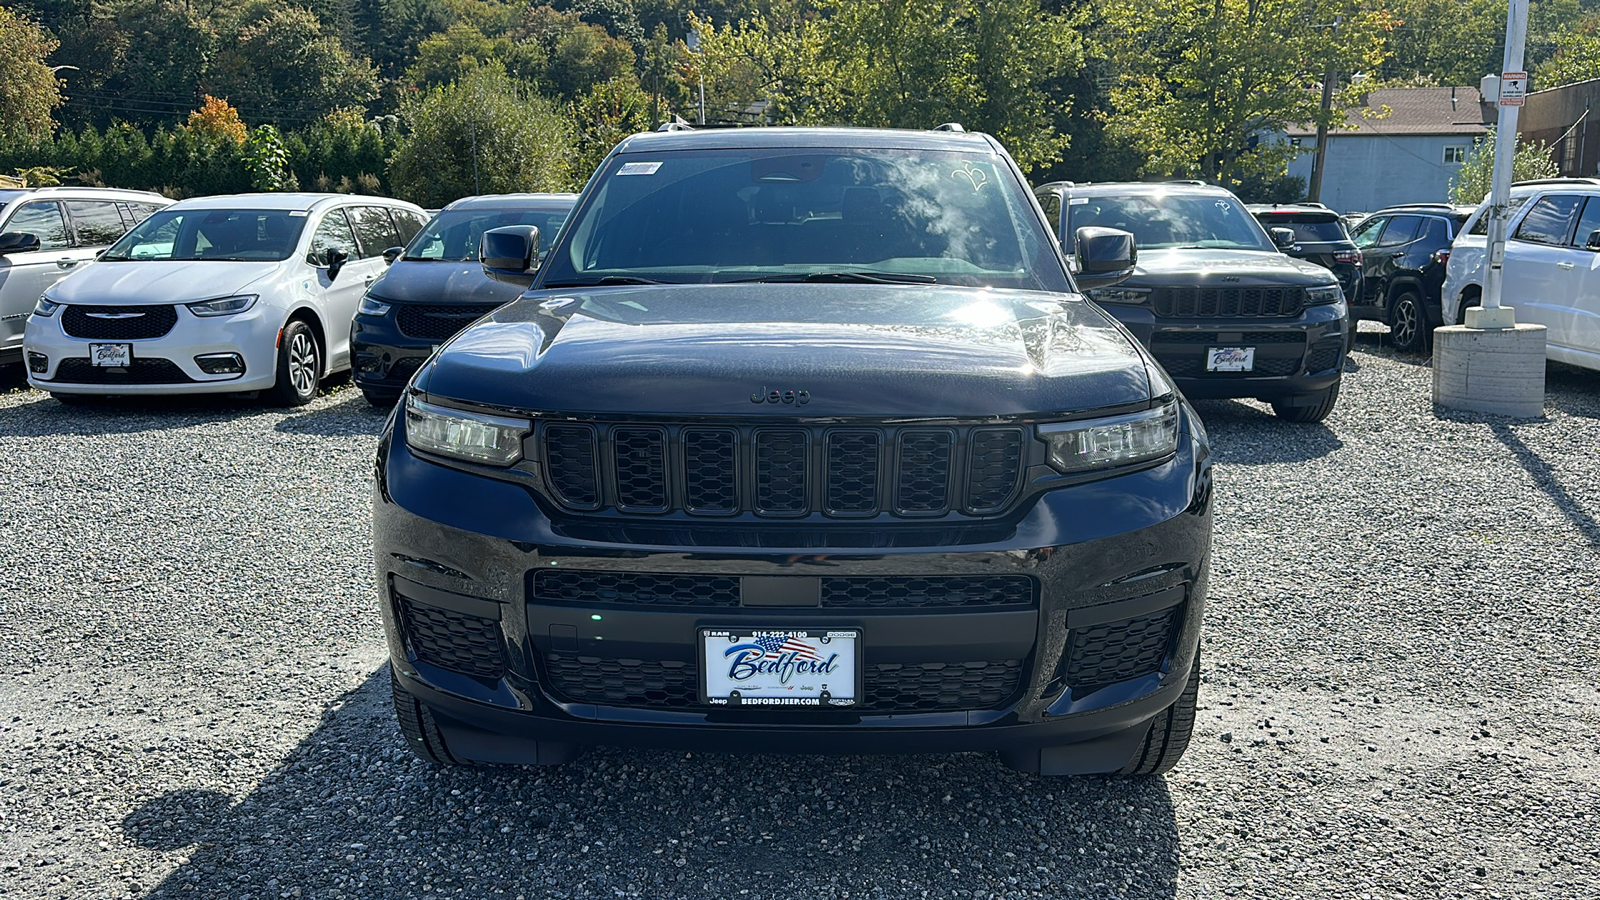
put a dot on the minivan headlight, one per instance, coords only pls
(45, 307)
(474, 437)
(372, 306)
(1323, 294)
(1117, 441)
(223, 306)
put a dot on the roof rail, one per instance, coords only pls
(1187, 181)
(1573, 181)
(78, 187)
(951, 126)
(1422, 206)
(1054, 184)
(674, 126)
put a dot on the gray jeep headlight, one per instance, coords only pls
(1091, 444)
(474, 437)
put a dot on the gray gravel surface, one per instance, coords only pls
(1400, 697)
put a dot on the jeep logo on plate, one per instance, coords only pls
(798, 398)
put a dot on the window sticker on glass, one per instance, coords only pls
(639, 168)
(1078, 201)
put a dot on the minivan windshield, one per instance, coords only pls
(453, 235)
(216, 234)
(1161, 221)
(791, 214)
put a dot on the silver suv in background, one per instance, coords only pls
(48, 233)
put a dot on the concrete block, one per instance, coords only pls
(1499, 371)
(1501, 317)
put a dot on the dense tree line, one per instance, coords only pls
(404, 95)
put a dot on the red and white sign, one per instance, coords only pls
(1513, 88)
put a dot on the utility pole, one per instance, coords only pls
(1314, 194)
(1513, 85)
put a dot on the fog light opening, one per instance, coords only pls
(38, 363)
(220, 363)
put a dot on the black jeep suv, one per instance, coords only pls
(1223, 310)
(1404, 250)
(1319, 237)
(802, 440)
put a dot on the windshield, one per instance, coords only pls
(454, 235)
(219, 234)
(1172, 221)
(788, 215)
(1309, 229)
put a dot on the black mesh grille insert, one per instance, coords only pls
(1192, 367)
(1323, 358)
(143, 371)
(451, 640)
(992, 470)
(132, 323)
(940, 687)
(897, 591)
(569, 451)
(1227, 302)
(881, 592)
(924, 472)
(651, 684)
(1099, 655)
(853, 471)
(633, 587)
(1235, 338)
(781, 471)
(641, 460)
(710, 470)
(435, 322)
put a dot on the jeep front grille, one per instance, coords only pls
(1227, 302)
(781, 471)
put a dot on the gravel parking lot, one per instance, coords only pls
(1401, 697)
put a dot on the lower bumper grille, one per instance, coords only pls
(142, 371)
(452, 640)
(1183, 353)
(885, 592)
(432, 322)
(1102, 655)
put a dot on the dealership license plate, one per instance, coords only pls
(112, 355)
(780, 667)
(1230, 359)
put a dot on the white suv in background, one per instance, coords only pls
(252, 292)
(47, 234)
(1552, 267)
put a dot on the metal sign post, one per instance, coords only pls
(1513, 88)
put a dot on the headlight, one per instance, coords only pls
(223, 306)
(45, 306)
(1324, 294)
(372, 306)
(1119, 295)
(464, 435)
(1122, 440)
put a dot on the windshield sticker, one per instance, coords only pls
(299, 212)
(639, 168)
(1078, 201)
(973, 175)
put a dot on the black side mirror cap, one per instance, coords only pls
(18, 242)
(1283, 238)
(1593, 243)
(392, 254)
(1105, 256)
(510, 255)
(336, 260)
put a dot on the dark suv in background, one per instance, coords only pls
(1320, 237)
(436, 287)
(1404, 250)
(1223, 310)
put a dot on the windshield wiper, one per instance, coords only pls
(842, 278)
(608, 279)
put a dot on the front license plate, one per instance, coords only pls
(1230, 359)
(113, 355)
(780, 667)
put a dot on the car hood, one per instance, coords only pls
(154, 282)
(441, 281)
(885, 351)
(1160, 268)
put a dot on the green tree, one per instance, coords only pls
(1577, 60)
(29, 91)
(453, 53)
(1200, 82)
(604, 115)
(279, 65)
(1472, 181)
(165, 50)
(267, 160)
(487, 133)
(579, 55)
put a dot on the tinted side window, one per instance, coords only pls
(1482, 225)
(1550, 220)
(409, 223)
(1588, 224)
(374, 229)
(97, 222)
(142, 211)
(1436, 233)
(1051, 201)
(1366, 234)
(44, 221)
(333, 234)
(1401, 230)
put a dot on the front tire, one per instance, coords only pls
(1307, 414)
(1169, 732)
(421, 732)
(1408, 323)
(299, 365)
(380, 399)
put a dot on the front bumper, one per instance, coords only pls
(1102, 640)
(383, 357)
(1294, 357)
(162, 365)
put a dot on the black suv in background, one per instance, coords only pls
(436, 287)
(1404, 250)
(802, 440)
(1223, 310)
(1320, 237)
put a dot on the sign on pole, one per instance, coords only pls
(1513, 88)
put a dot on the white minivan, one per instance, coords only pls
(1551, 275)
(251, 292)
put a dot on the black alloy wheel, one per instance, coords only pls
(1408, 323)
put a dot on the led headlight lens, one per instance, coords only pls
(1324, 294)
(470, 436)
(223, 306)
(45, 306)
(372, 306)
(1119, 295)
(1119, 441)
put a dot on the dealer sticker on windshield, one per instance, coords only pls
(1230, 359)
(811, 667)
(639, 168)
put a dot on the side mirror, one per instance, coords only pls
(1593, 243)
(18, 242)
(1283, 238)
(511, 254)
(336, 260)
(1105, 256)
(392, 254)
